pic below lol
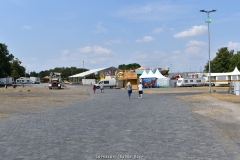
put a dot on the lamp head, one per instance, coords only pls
(213, 10)
(202, 11)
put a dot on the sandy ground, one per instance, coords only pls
(35, 99)
(221, 109)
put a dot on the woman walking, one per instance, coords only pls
(129, 89)
(140, 90)
(94, 88)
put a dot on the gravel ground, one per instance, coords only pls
(34, 98)
(225, 114)
(224, 110)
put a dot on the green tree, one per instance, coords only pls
(129, 66)
(15, 74)
(222, 61)
(5, 58)
(235, 61)
(16, 65)
(33, 74)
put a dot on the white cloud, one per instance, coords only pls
(95, 49)
(101, 50)
(34, 59)
(176, 52)
(150, 12)
(99, 28)
(86, 49)
(65, 52)
(195, 43)
(111, 42)
(193, 49)
(233, 45)
(145, 39)
(27, 27)
(157, 30)
(194, 31)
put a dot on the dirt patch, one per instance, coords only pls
(222, 109)
(184, 89)
(33, 99)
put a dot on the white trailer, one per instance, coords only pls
(181, 82)
(35, 80)
(23, 80)
(6, 81)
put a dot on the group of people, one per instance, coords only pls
(101, 87)
(140, 90)
(129, 89)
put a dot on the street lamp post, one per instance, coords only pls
(83, 67)
(208, 20)
(25, 70)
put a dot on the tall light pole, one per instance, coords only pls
(83, 67)
(208, 20)
(25, 70)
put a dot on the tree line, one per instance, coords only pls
(225, 61)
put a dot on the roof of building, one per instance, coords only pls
(83, 74)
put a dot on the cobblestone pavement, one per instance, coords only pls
(110, 126)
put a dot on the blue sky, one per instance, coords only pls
(103, 33)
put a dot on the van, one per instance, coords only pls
(106, 83)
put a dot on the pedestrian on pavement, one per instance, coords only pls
(102, 87)
(129, 89)
(94, 88)
(140, 90)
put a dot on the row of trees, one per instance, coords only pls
(129, 66)
(225, 61)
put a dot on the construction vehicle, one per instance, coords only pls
(55, 81)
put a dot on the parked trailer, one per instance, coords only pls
(23, 80)
(35, 80)
(184, 82)
(6, 81)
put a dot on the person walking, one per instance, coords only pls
(129, 89)
(140, 90)
(94, 88)
(102, 87)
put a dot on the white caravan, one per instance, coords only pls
(107, 83)
(23, 80)
(181, 82)
(35, 80)
(6, 81)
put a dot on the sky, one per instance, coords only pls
(92, 34)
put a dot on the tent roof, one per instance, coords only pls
(144, 74)
(83, 74)
(159, 75)
(150, 74)
(235, 72)
(142, 68)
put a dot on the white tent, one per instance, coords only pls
(159, 75)
(162, 81)
(144, 74)
(150, 74)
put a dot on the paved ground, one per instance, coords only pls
(109, 125)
